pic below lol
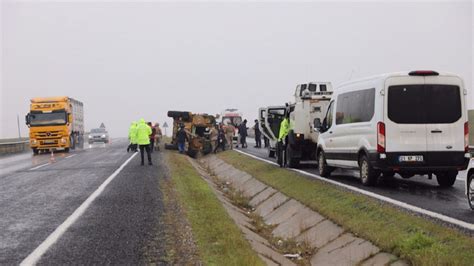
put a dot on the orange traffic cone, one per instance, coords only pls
(52, 159)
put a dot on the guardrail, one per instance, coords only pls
(14, 146)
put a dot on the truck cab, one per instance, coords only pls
(310, 106)
(55, 123)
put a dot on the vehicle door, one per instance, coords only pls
(274, 116)
(262, 115)
(446, 113)
(404, 114)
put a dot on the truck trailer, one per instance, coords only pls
(55, 123)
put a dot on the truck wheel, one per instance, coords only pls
(271, 153)
(292, 162)
(66, 149)
(368, 175)
(72, 142)
(35, 151)
(192, 153)
(324, 169)
(470, 191)
(446, 179)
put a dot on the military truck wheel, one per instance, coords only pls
(271, 153)
(170, 146)
(291, 161)
(177, 114)
(35, 151)
(192, 153)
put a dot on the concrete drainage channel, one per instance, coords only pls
(282, 230)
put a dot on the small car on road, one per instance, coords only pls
(98, 135)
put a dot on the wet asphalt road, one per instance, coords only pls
(417, 191)
(122, 226)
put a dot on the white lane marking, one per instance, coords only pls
(461, 179)
(34, 257)
(70, 156)
(39, 166)
(401, 204)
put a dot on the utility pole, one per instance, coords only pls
(18, 124)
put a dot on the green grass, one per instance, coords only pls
(219, 240)
(415, 239)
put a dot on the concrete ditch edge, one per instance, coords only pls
(332, 244)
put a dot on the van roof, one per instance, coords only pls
(389, 75)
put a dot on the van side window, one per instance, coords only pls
(355, 106)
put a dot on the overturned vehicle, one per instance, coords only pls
(197, 127)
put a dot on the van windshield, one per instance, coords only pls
(424, 104)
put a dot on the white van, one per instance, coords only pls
(405, 123)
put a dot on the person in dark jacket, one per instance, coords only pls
(181, 137)
(258, 135)
(220, 139)
(152, 136)
(243, 134)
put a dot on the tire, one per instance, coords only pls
(292, 162)
(192, 153)
(35, 151)
(389, 174)
(470, 191)
(66, 149)
(271, 153)
(179, 114)
(446, 179)
(324, 169)
(171, 146)
(368, 175)
(72, 142)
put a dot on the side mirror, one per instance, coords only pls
(28, 119)
(69, 118)
(317, 124)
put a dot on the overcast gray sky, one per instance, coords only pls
(128, 60)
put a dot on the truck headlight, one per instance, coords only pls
(103, 136)
(63, 140)
(33, 141)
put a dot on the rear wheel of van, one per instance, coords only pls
(446, 179)
(292, 162)
(324, 169)
(368, 175)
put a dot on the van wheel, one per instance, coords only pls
(324, 169)
(470, 191)
(446, 179)
(368, 175)
(292, 162)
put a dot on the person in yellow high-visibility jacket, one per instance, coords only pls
(143, 133)
(281, 145)
(132, 132)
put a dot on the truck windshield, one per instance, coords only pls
(424, 104)
(48, 119)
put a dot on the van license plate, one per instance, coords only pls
(411, 158)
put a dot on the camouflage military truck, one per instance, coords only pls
(197, 126)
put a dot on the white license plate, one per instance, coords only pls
(49, 141)
(411, 158)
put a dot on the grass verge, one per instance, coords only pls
(418, 240)
(219, 240)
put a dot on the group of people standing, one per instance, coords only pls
(144, 137)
